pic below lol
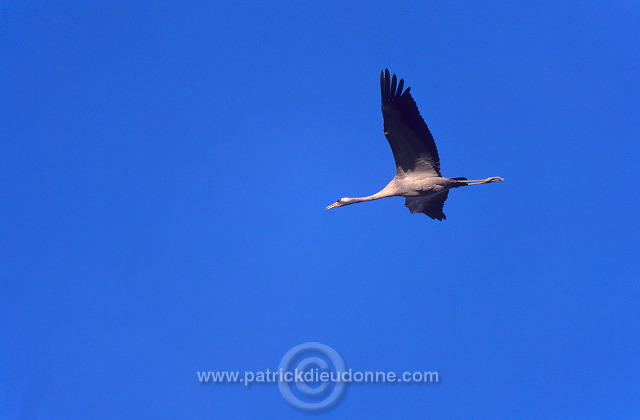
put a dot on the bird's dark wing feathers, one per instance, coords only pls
(412, 144)
(430, 205)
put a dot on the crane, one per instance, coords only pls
(418, 177)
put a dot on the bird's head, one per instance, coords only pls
(341, 202)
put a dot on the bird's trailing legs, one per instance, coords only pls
(484, 181)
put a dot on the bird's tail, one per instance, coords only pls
(461, 184)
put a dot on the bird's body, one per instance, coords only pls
(418, 176)
(419, 185)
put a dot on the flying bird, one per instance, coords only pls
(418, 176)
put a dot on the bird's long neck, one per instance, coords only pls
(385, 192)
(362, 199)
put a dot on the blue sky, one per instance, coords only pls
(164, 168)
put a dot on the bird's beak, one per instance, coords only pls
(332, 206)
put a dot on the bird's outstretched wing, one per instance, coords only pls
(430, 205)
(412, 144)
